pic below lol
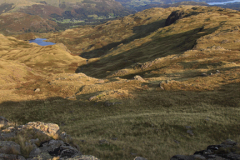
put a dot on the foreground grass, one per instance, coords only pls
(153, 125)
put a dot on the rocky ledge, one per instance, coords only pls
(43, 141)
(46, 143)
(227, 150)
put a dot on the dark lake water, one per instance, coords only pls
(223, 3)
(41, 42)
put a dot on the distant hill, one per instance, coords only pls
(141, 8)
(42, 10)
(137, 4)
(235, 5)
(5, 7)
(16, 22)
(78, 9)
(64, 13)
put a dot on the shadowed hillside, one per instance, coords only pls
(155, 84)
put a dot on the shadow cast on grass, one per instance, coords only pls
(93, 122)
(139, 32)
(157, 48)
(50, 110)
(58, 109)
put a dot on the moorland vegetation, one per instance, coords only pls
(135, 82)
(64, 13)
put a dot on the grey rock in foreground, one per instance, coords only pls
(228, 150)
(3, 121)
(10, 150)
(9, 147)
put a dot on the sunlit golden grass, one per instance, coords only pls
(38, 57)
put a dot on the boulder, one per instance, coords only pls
(227, 150)
(46, 150)
(46, 128)
(58, 148)
(5, 135)
(161, 85)
(139, 78)
(37, 90)
(36, 154)
(9, 147)
(204, 74)
(181, 157)
(173, 17)
(3, 121)
(83, 157)
(4, 156)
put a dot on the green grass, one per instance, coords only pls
(146, 126)
(67, 21)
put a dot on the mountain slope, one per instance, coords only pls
(169, 83)
(67, 9)
(15, 23)
(30, 66)
(136, 49)
(163, 5)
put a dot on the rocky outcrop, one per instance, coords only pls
(3, 121)
(227, 150)
(173, 17)
(138, 78)
(39, 149)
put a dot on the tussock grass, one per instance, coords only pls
(22, 138)
(146, 125)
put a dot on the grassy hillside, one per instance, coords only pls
(44, 11)
(235, 6)
(64, 13)
(190, 73)
(15, 23)
(67, 9)
(163, 5)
